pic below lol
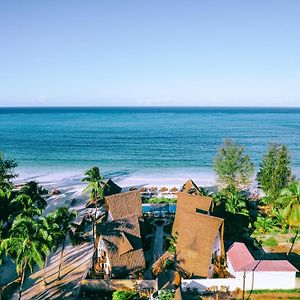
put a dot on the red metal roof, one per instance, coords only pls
(270, 266)
(242, 260)
(239, 256)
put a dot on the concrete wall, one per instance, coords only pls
(216, 248)
(253, 280)
(110, 285)
(267, 280)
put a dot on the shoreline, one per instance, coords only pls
(124, 178)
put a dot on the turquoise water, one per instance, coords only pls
(132, 139)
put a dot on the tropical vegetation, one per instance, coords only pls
(275, 172)
(27, 236)
(233, 166)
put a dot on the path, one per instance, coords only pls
(158, 242)
(75, 262)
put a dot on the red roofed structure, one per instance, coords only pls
(240, 259)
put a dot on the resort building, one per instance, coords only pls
(119, 245)
(259, 274)
(190, 187)
(199, 244)
(111, 188)
(199, 235)
(190, 204)
(120, 249)
(123, 205)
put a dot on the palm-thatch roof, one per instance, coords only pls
(111, 188)
(187, 203)
(124, 204)
(143, 190)
(190, 187)
(163, 189)
(174, 189)
(197, 233)
(122, 240)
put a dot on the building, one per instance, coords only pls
(111, 188)
(123, 205)
(199, 244)
(187, 203)
(259, 274)
(120, 249)
(199, 235)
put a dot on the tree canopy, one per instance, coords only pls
(275, 171)
(233, 166)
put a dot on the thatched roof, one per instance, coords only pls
(178, 295)
(196, 236)
(143, 190)
(122, 238)
(174, 189)
(124, 204)
(190, 204)
(163, 189)
(190, 187)
(133, 188)
(111, 188)
(153, 189)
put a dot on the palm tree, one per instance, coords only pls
(63, 217)
(36, 192)
(290, 200)
(96, 183)
(25, 206)
(95, 187)
(236, 203)
(52, 236)
(25, 245)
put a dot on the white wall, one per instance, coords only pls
(253, 280)
(267, 280)
(216, 248)
(102, 247)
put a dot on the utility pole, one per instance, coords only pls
(244, 283)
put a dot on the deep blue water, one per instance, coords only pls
(142, 138)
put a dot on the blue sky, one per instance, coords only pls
(150, 52)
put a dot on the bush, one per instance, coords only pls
(166, 295)
(126, 295)
(158, 200)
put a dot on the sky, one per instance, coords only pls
(150, 52)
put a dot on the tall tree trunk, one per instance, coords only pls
(293, 243)
(61, 257)
(22, 279)
(45, 266)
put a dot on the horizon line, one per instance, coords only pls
(146, 106)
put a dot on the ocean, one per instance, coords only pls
(154, 141)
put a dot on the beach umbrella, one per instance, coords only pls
(153, 189)
(174, 189)
(143, 190)
(133, 188)
(164, 189)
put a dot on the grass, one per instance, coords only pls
(270, 242)
(291, 291)
(268, 294)
(160, 200)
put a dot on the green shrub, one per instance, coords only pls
(166, 295)
(159, 200)
(126, 295)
